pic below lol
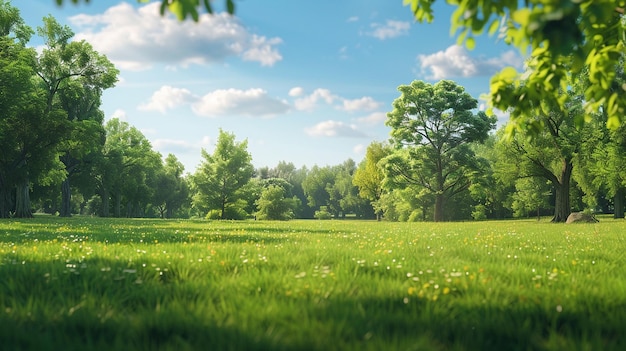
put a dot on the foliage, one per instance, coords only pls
(323, 213)
(316, 285)
(564, 37)
(180, 8)
(274, 205)
(432, 127)
(221, 175)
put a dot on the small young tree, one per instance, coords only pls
(273, 204)
(222, 175)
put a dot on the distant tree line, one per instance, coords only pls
(443, 160)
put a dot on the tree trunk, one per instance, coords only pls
(562, 206)
(618, 202)
(439, 200)
(168, 210)
(117, 210)
(5, 199)
(22, 200)
(105, 203)
(66, 199)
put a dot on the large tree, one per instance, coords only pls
(549, 152)
(74, 77)
(432, 127)
(221, 175)
(173, 189)
(29, 132)
(126, 169)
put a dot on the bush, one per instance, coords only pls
(323, 213)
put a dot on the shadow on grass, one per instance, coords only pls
(54, 306)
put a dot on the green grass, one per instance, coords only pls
(109, 284)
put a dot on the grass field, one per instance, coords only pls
(112, 284)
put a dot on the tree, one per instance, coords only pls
(549, 152)
(74, 77)
(602, 166)
(274, 204)
(369, 176)
(563, 37)
(531, 196)
(221, 175)
(316, 185)
(432, 127)
(172, 188)
(126, 169)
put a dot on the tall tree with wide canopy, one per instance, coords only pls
(16, 71)
(221, 175)
(432, 127)
(29, 132)
(74, 76)
(549, 152)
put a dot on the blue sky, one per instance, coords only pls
(307, 82)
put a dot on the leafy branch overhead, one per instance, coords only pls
(181, 8)
(563, 37)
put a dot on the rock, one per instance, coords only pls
(581, 217)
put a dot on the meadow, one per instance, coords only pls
(136, 284)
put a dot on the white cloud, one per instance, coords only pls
(352, 19)
(332, 128)
(309, 102)
(390, 29)
(320, 95)
(359, 149)
(167, 98)
(373, 118)
(455, 61)
(251, 102)
(365, 103)
(175, 146)
(119, 114)
(296, 91)
(136, 38)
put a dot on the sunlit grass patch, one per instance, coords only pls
(136, 284)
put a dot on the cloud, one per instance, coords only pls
(251, 102)
(119, 114)
(168, 98)
(332, 128)
(309, 102)
(296, 91)
(390, 29)
(373, 118)
(365, 103)
(175, 146)
(359, 149)
(352, 19)
(320, 95)
(136, 38)
(455, 61)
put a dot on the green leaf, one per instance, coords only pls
(470, 43)
(493, 27)
(230, 6)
